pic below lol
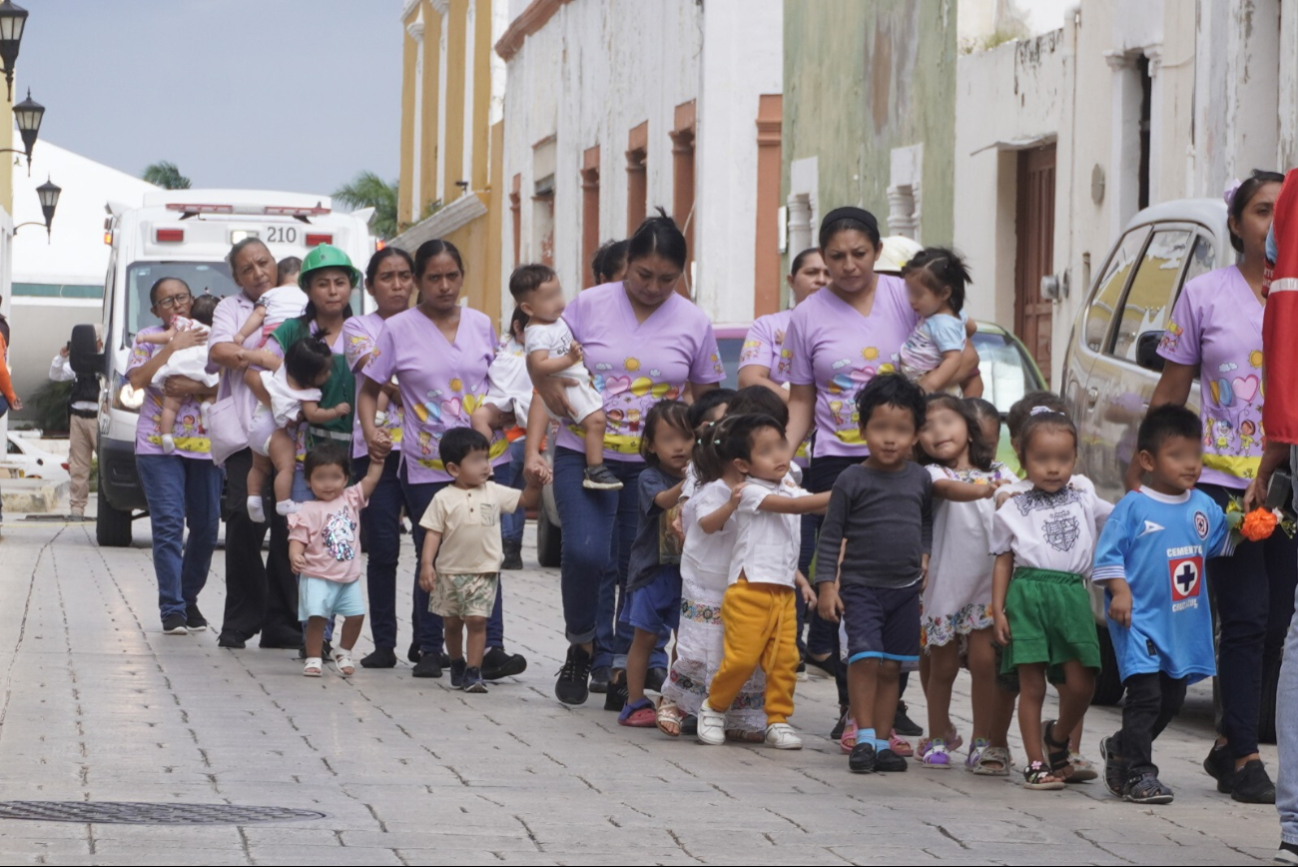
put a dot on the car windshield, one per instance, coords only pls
(202, 277)
(1007, 374)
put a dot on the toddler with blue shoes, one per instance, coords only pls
(1150, 559)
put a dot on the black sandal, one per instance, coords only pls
(1057, 752)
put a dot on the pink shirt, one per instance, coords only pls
(636, 364)
(360, 335)
(441, 383)
(1216, 326)
(227, 319)
(830, 345)
(188, 433)
(328, 530)
(764, 343)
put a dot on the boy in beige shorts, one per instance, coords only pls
(460, 566)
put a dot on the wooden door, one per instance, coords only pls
(1035, 258)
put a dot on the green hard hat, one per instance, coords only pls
(326, 256)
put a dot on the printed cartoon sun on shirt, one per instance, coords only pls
(448, 410)
(850, 376)
(627, 397)
(189, 434)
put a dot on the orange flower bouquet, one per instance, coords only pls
(1257, 525)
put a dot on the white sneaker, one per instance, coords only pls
(712, 726)
(168, 444)
(256, 511)
(779, 735)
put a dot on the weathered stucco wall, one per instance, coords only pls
(861, 79)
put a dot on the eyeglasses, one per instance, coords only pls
(173, 300)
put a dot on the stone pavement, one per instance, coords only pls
(97, 704)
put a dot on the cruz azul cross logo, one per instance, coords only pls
(1186, 574)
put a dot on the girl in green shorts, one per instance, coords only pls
(1043, 539)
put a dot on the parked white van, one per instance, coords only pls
(185, 234)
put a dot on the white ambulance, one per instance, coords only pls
(186, 234)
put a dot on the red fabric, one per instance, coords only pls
(1280, 322)
(6, 387)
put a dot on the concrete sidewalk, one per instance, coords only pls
(98, 705)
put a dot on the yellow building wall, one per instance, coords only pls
(409, 55)
(432, 76)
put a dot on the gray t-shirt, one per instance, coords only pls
(887, 519)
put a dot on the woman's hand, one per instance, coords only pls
(1255, 494)
(537, 471)
(187, 339)
(17, 405)
(553, 392)
(182, 386)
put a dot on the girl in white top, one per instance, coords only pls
(1044, 539)
(957, 600)
(510, 388)
(705, 574)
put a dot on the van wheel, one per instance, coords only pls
(112, 526)
(549, 542)
(1108, 683)
(1270, 684)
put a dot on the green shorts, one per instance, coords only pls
(1050, 622)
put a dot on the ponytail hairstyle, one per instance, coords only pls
(939, 268)
(609, 260)
(709, 438)
(372, 269)
(430, 250)
(796, 265)
(1044, 419)
(661, 236)
(1239, 194)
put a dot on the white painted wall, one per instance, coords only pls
(598, 69)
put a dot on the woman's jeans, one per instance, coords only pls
(1252, 589)
(598, 530)
(511, 476)
(178, 490)
(430, 631)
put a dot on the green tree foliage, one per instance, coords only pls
(167, 175)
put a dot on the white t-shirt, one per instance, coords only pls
(1051, 531)
(705, 558)
(285, 400)
(555, 338)
(282, 303)
(767, 543)
(509, 386)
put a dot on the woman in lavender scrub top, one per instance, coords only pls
(181, 487)
(439, 353)
(643, 343)
(1214, 335)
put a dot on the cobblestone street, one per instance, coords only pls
(99, 705)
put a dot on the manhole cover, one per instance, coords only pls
(130, 813)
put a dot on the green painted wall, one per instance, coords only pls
(862, 77)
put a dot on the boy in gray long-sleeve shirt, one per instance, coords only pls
(871, 559)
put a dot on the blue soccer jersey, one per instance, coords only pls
(1159, 545)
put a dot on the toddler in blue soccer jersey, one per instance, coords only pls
(1150, 559)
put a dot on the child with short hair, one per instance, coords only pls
(1044, 538)
(324, 550)
(758, 611)
(553, 351)
(935, 282)
(275, 306)
(460, 563)
(287, 270)
(294, 393)
(190, 363)
(1150, 560)
(872, 557)
(653, 602)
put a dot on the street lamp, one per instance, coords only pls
(28, 114)
(48, 193)
(13, 19)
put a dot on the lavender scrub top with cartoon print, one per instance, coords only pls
(830, 345)
(1216, 326)
(360, 333)
(634, 364)
(441, 383)
(764, 344)
(190, 436)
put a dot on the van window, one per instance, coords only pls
(210, 277)
(1203, 260)
(1153, 289)
(1109, 291)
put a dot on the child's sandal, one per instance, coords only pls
(669, 719)
(992, 762)
(1039, 777)
(313, 667)
(344, 663)
(1057, 753)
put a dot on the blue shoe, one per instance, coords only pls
(473, 681)
(458, 668)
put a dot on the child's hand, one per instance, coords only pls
(1120, 608)
(923, 569)
(343, 409)
(298, 562)
(427, 578)
(678, 526)
(829, 605)
(380, 448)
(1001, 628)
(1003, 497)
(804, 587)
(736, 495)
(575, 352)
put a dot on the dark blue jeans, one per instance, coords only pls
(598, 530)
(381, 524)
(430, 631)
(511, 475)
(178, 490)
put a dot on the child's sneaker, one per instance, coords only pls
(889, 762)
(847, 740)
(256, 510)
(712, 726)
(473, 681)
(168, 444)
(458, 667)
(1144, 787)
(783, 737)
(601, 478)
(935, 757)
(899, 745)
